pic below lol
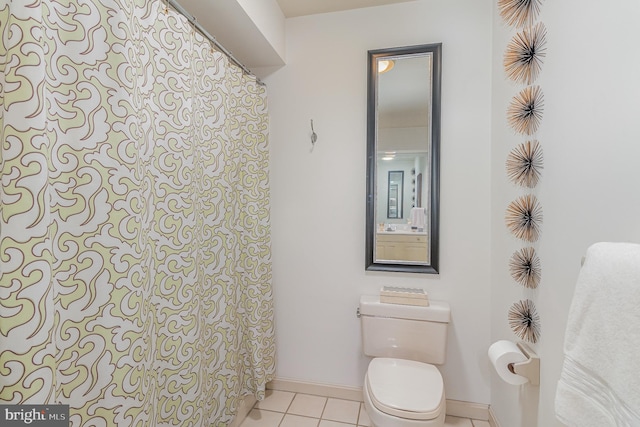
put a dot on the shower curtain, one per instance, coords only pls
(135, 270)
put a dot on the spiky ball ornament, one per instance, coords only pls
(524, 320)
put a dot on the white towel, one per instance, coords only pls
(418, 217)
(600, 380)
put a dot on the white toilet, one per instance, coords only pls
(402, 388)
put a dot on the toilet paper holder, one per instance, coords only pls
(530, 368)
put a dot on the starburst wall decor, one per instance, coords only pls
(524, 164)
(523, 61)
(519, 12)
(524, 267)
(524, 320)
(524, 218)
(523, 57)
(525, 111)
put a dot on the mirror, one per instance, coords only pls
(403, 159)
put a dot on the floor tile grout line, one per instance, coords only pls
(324, 408)
(284, 415)
(359, 411)
(291, 403)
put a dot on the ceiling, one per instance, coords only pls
(293, 8)
(236, 30)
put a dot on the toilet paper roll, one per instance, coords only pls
(501, 353)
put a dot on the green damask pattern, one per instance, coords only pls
(135, 270)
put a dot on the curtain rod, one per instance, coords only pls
(192, 20)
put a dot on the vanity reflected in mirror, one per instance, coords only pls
(403, 159)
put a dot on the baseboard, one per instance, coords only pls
(477, 411)
(493, 421)
(456, 408)
(325, 390)
(243, 410)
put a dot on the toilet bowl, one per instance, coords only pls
(404, 393)
(402, 387)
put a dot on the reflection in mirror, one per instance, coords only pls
(403, 140)
(395, 194)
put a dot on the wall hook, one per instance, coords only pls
(314, 136)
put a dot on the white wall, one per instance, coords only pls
(318, 198)
(589, 190)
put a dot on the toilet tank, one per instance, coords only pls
(404, 331)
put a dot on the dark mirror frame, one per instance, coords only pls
(434, 179)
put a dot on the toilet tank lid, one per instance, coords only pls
(437, 311)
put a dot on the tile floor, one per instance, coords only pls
(286, 409)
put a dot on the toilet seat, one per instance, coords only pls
(405, 388)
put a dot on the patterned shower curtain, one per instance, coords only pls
(135, 270)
